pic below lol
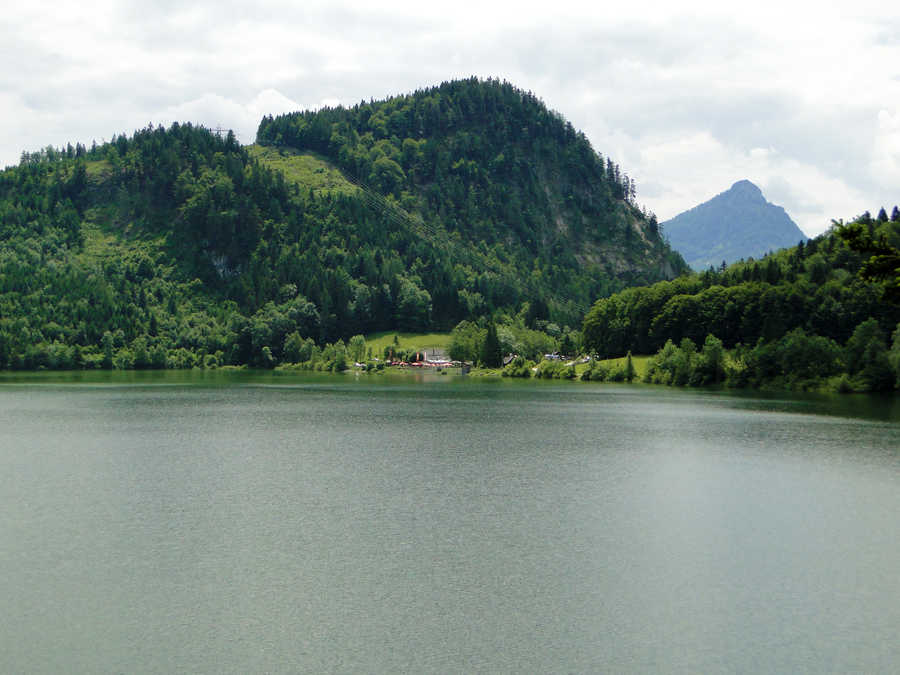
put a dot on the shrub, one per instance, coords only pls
(518, 367)
(596, 372)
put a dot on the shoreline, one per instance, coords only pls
(413, 374)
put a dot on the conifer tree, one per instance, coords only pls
(629, 368)
(491, 354)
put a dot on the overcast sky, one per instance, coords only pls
(687, 97)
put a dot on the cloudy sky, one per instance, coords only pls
(687, 97)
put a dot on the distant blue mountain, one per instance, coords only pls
(738, 223)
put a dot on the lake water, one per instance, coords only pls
(245, 523)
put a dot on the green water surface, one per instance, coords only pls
(241, 522)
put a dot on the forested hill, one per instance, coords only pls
(815, 310)
(178, 247)
(492, 166)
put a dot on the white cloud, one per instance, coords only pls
(272, 102)
(211, 110)
(687, 97)
(215, 111)
(886, 153)
(695, 168)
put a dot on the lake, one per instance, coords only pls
(239, 522)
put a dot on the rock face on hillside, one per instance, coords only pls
(738, 223)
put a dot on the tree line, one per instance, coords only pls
(491, 164)
(175, 247)
(826, 308)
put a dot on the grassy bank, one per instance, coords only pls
(407, 341)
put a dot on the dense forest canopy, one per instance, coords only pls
(492, 165)
(797, 312)
(179, 247)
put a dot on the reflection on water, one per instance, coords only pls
(252, 522)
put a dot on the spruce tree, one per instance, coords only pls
(491, 354)
(629, 368)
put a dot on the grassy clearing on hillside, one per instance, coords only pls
(640, 363)
(305, 169)
(97, 169)
(418, 341)
(98, 245)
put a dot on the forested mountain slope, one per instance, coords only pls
(178, 247)
(798, 312)
(738, 223)
(492, 166)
